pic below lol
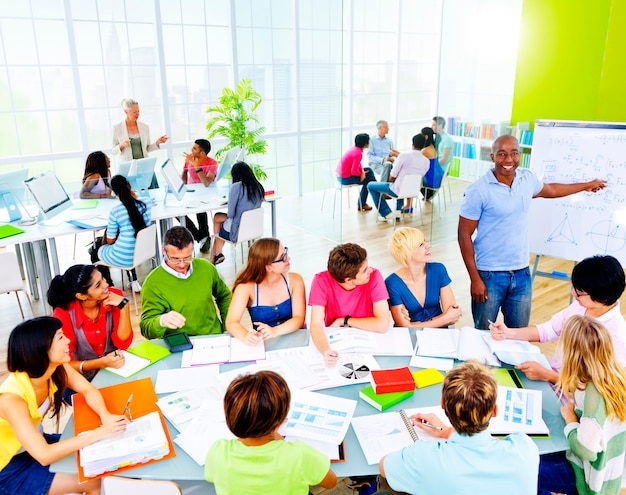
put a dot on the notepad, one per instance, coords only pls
(217, 349)
(85, 204)
(139, 357)
(9, 230)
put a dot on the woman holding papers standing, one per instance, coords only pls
(96, 176)
(421, 288)
(38, 362)
(131, 139)
(275, 298)
(596, 420)
(94, 317)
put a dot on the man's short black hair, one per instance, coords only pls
(361, 140)
(178, 236)
(204, 145)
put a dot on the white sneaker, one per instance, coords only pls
(135, 286)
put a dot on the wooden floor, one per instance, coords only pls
(309, 230)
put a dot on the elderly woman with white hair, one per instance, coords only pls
(420, 294)
(131, 139)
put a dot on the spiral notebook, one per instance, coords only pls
(382, 434)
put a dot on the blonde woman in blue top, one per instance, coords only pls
(125, 221)
(274, 297)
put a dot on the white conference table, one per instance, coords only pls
(183, 468)
(39, 240)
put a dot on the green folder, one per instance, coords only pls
(507, 377)
(149, 350)
(383, 401)
(85, 204)
(9, 230)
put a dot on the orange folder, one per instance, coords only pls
(115, 398)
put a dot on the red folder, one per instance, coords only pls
(393, 380)
(115, 398)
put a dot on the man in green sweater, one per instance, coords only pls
(182, 293)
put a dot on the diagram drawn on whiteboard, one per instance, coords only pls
(608, 236)
(562, 233)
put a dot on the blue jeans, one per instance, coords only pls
(510, 291)
(354, 179)
(378, 188)
(556, 475)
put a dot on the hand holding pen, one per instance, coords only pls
(432, 424)
(127, 408)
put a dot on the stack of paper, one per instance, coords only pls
(182, 407)
(144, 440)
(451, 343)
(396, 341)
(217, 349)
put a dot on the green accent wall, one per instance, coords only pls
(570, 63)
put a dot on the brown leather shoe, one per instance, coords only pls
(364, 208)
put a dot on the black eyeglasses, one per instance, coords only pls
(579, 294)
(283, 258)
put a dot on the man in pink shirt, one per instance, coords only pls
(350, 171)
(200, 169)
(349, 294)
(597, 284)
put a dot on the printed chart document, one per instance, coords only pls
(221, 349)
(519, 410)
(143, 440)
(466, 343)
(396, 341)
(178, 379)
(384, 433)
(516, 352)
(182, 407)
(318, 416)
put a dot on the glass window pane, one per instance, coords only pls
(261, 13)
(192, 11)
(219, 45)
(100, 129)
(140, 11)
(195, 45)
(24, 52)
(8, 143)
(140, 37)
(88, 43)
(173, 49)
(58, 86)
(171, 12)
(262, 46)
(84, 9)
(11, 8)
(217, 12)
(64, 133)
(32, 132)
(26, 88)
(111, 10)
(52, 42)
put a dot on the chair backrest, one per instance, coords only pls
(115, 485)
(11, 278)
(145, 244)
(409, 186)
(251, 225)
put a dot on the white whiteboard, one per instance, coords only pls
(583, 224)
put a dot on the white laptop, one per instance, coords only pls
(231, 157)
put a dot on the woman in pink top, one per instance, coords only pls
(350, 171)
(349, 294)
(597, 284)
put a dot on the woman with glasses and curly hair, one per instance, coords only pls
(246, 193)
(274, 297)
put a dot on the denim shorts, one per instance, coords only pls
(224, 234)
(24, 475)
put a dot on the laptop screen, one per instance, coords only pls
(173, 179)
(48, 193)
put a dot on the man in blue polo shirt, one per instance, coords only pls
(467, 459)
(381, 153)
(496, 206)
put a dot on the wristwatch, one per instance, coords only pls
(198, 170)
(345, 321)
(123, 303)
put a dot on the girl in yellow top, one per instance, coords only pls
(38, 359)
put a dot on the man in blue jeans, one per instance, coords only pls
(497, 206)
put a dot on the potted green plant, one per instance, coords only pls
(234, 118)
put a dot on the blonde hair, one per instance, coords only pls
(468, 396)
(403, 243)
(589, 357)
(128, 103)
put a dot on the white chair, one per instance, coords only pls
(145, 249)
(330, 178)
(11, 278)
(409, 188)
(441, 188)
(250, 228)
(116, 485)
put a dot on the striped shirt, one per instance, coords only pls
(120, 253)
(597, 445)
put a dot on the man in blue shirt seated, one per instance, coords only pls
(467, 459)
(381, 153)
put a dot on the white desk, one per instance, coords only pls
(182, 467)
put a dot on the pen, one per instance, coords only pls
(490, 322)
(430, 425)
(127, 408)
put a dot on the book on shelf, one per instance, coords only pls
(383, 433)
(116, 454)
(462, 344)
(392, 380)
(383, 401)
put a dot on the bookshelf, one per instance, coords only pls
(473, 141)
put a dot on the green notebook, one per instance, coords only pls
(507, 377)
(9, 230)
(383, 401)
(85, 204)
(149, 350)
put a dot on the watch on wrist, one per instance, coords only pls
(123, 303)
(198, 170)
(345, 321)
